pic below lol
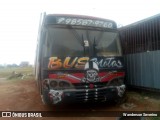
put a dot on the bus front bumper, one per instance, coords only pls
(87, 95)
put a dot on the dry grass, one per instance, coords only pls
(7, 72)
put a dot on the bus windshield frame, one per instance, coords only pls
(89, 40)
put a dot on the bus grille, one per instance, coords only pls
(87, 85)
(97, 93)
(91, 95)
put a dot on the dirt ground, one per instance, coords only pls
(22, 95)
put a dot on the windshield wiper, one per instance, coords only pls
(95, 44)
(79, 39)
(94, 47)
(74, 32)
(83, 45)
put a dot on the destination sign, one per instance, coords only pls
(84, 22)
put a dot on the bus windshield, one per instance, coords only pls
(63, 41)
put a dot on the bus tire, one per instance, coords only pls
(122, 99)
(45, 98)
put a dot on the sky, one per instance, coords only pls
(19, 20)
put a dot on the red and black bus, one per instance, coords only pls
(78, 59)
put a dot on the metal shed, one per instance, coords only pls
(141, 49)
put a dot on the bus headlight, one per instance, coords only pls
(59, 84)
(116, 82)
(64, 84)
(53, 84)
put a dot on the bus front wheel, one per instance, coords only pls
(45, 97)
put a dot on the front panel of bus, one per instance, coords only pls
(81, 63)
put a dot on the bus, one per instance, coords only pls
(78, 59)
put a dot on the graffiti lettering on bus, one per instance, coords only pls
(79, 62)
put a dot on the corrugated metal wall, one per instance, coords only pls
(143, 69)
(141, 48)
